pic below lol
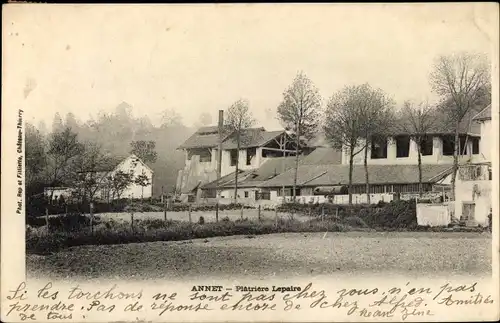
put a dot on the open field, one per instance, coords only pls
(285, 255)
(209, 216)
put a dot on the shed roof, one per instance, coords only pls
(252, 137)
(252, 178)
(325, 175)
(323, 155)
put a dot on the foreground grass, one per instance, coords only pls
(285, 254)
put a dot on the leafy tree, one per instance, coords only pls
(238, 119)
(143, 181)
(299, 112)
(145, 150)
(461, 80)
(119, 182)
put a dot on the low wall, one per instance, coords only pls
(433, 214)
(341, 199)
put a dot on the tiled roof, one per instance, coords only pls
(205, 137)
(252, 178)
(443, 125)
(323, 155)
(253, 137)
(484, 114)
(324, 175)
(208, 137)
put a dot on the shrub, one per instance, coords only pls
(355, 222)
(201, 220)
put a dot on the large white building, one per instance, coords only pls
(257, 147)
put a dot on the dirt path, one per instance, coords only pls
(285, 255)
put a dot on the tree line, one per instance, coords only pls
(72, 152)
(358, 115)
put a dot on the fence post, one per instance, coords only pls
(91, 209)
(132, 220)
(217, 211)
(241, 214)
(276, 214)
(47, 218)
(189, 212)
(259, 212)
(164, 208)
(323, 213)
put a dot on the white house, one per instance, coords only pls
(473, 198)
(131, 165)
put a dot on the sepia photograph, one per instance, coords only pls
(256, 144)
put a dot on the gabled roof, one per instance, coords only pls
(205, 137)
(111, 163)
(325, 175)
(208, 137)
(484, 114)
(252, 137)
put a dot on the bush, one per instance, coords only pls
(201, 220)
(69, 222)
(355, 222)
(156, 230)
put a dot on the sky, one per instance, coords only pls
(200, 58)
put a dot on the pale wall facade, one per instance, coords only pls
(437, 156)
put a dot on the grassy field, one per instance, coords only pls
(283, 255)
(251, 214)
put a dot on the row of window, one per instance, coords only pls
(379, 146)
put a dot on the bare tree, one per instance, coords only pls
(461, 79)
(299, 112)
(418, 121)
(92, 173)
(239, 118)
(376, 109)
(343, 125)
(63, 149)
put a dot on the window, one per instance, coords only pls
(402, 146)
(426, 146)
(210, 193)
(234, 157)
(246, 194)
(475, 146)
(251, 152)
(379, 148)
(205, 156)
(448, 145)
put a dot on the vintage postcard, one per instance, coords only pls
(250, 162)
